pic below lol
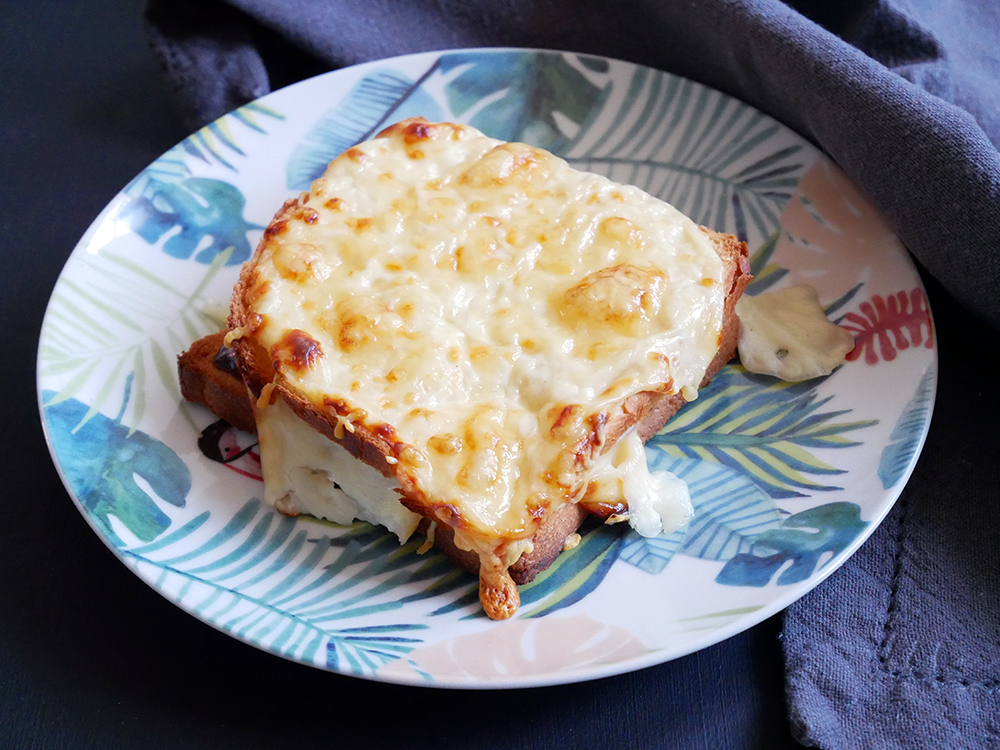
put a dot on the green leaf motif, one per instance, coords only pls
(91, 343)
(574, 574)
(285, 585)
(377, 100)
(714, 158)
(202, 216)
(729, 510)
(215, 143)
(905, 439)
(363, 650)
(800, 543)
(101, 460)
(762, 427)
(541, 98)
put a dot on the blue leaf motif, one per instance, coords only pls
(762, 427)
(528, 94)
(906, 435)
(101, 460)
(364, 649)
(377, 99)
(802, 540)
(198, 209)
(729, 511)
(574, 574)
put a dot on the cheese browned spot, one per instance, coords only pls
(296, 350)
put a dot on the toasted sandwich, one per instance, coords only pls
(471, 338)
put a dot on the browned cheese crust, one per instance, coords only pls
(377, 444)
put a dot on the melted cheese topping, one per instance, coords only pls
(304, 472)
(657, 500)
(786, 334)
(489, 303)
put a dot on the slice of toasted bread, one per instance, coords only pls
(480, 323)
(208, 375)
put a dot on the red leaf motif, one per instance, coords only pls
(890, 326)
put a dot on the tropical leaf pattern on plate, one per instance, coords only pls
(887, 326)
(729, 509)
(796, 548)
(763, 427)
(513, 95)
(101, 460)
(717, 160)
(541, 98)
(201, 217)
(113, 319)
(377, 100)
(287, 586)
(904, 441)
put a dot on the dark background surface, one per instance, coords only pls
(89, 655)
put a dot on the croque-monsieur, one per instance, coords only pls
(472, 335)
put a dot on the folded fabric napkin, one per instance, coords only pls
(900, 647)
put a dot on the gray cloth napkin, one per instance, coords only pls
(900, 647)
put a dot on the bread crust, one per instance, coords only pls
(202, 382)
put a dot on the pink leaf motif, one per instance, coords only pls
(887, 321)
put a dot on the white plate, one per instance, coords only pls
(787, 480)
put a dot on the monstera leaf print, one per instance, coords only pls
(101, 459)
(803, 539)
(202, 216)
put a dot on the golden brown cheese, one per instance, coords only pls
(490, 303)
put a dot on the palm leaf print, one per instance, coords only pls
(378, 99)
(715, 159)
(898, 455)
(93, 345)
(572, 576)
(285, 585)
(215, 143)
(762, 427)
(729, 512)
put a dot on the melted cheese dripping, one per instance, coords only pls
(658, 501)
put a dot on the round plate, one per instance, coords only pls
(786, 479)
